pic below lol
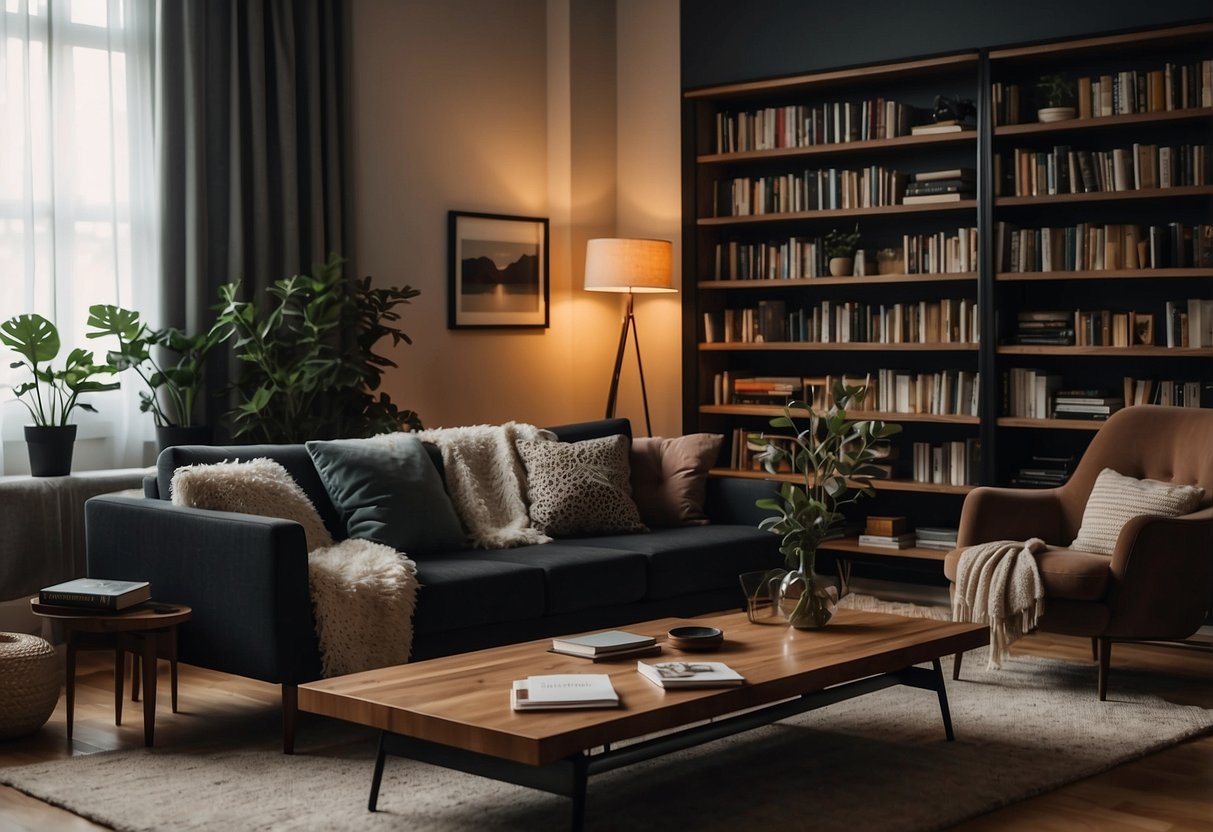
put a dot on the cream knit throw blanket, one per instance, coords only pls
(998, 583)
(486, 481)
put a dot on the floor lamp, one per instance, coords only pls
(628, 265)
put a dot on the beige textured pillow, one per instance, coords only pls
(259, 486)
(580, 487)
(670, 478)
(1115, 499)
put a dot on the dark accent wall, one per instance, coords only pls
(725, 41)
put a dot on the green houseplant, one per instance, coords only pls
(173, 386)
(309, 369)
(1055, 98)
(832, 457)
(53, 394)
(840, 249)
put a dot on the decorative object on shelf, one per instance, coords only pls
(309, 366)
(53, 394)
(173, 386)
(828, 455)
(29, 683)
(952, 109)
(628, 265)
(840, 249)
(890, 261)
(1055, 93)
(498, 271)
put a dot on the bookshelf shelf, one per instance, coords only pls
(1106, 196)
(850, 545)
(1122, 352)
(1056, 424)
(879, 485)
(839, 148)
(840, 213)
(810, 346)
(1189, 115)
(775, 410)
(1116, 44)
(861, 280)
(1119, 274)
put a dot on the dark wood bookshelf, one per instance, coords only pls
(878, 484)
(1177, 192)
(851, 545)
(840, 213)
(775, 410)
(859, 346)
(840, 148)
(1136, 351)
(1192, 114)
(857, 280)
(1110, 274)
(1063, 424)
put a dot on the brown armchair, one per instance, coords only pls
(1158, 581)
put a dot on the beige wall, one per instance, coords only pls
(479, 105)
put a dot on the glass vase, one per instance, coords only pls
(806, 599)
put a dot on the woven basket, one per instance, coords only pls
(29, 683)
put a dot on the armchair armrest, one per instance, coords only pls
(1011, 514)
(245, 576)
(1162, 576)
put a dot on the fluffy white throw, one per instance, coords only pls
(998, 583)
(486, 480)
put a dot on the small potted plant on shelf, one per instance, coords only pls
(840, 249)
(1055, 95)
(53, 394)
(832, 457)
(173, 386)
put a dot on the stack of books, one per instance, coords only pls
(95, 594)
(562, 691)
(927, 537)
(690, 674)
(1085, 404)
(1050, 327)
(1044, 472)
(612, 644)
(951, 185)
(886, 533)
(947, 125)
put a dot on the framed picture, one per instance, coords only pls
(499, 271)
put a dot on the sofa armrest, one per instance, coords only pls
(1010, 514)
(1162, 576)
(731, 500)
(245, 576)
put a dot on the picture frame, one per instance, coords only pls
(498, 271)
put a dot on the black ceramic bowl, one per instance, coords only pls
(695, 638)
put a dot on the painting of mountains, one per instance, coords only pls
(499, 276)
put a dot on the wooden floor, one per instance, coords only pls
(1170, 790)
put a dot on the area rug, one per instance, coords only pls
(879, 762)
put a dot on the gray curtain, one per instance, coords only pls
(251, 144)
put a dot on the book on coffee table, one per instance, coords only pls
(690, 674)
(598, 644)
(564, 690)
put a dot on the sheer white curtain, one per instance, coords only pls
(77, 196)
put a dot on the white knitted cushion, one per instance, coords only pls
(1116, 499)
(259, 486)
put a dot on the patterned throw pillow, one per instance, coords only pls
(580, 487)
(669, 478)
(1116, 499)
(259, 486)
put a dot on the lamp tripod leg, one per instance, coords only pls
(613, 395)
(644, 394)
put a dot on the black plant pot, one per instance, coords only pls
(169, 435)
(50, 449)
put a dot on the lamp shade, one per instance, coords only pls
(628, 265)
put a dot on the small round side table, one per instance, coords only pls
(142, 630)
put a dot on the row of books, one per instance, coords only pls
(744, 387)
(799, 125)
(893, 533)
(804, 257)
(1169, 392)
(1093, 247)
(956, 462)
(1030, 393)
(1044, 472)
(1089, 328)
(1027, 172)
(945, 393)
(1188, 324)
(1173, 86)
(809, 190)
(948, 321)
(950, 185)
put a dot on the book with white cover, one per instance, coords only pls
(690, 674)
(564, 690)
(595, 644)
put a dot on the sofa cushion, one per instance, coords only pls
(579, 577)
(1115, 499)
(669, 478)
(388, 490)
(258, 486)
(1064, 573)
(690, 559)
(578, 488)
(470, 589)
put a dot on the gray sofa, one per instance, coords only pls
(246, 576)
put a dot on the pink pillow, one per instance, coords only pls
(669, 478)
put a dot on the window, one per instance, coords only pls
(77, 194)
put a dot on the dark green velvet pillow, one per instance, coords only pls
(387, 489)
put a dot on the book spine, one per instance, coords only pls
(78, 599)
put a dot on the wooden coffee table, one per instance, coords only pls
(455, 711)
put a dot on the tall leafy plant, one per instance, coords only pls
(309, 369)
(53, 394)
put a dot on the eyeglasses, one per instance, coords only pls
(678, 670)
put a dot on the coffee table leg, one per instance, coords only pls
(119, 678)
(943, 700)
(149, 687)
(377, 778)
(577, 792)
(71, 682)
